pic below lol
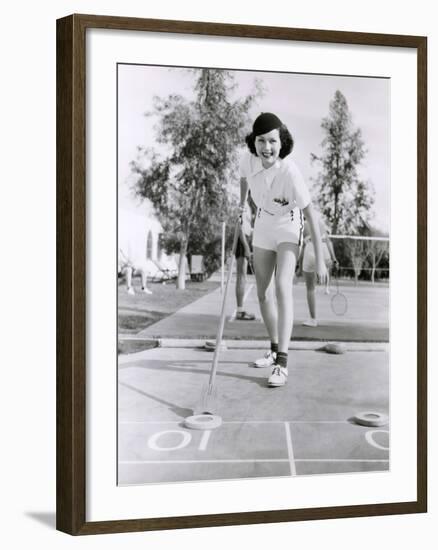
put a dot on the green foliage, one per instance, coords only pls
(344, 199)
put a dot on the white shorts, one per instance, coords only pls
(309, 256)
(271, 230)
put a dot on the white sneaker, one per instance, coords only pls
(278, 376)
(266, 361)
(131, 291)
(146, 290)
(310, 323)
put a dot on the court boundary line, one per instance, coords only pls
(199, 345)
(195, 340)
(290, 449)
(241, 422)
(251, 460)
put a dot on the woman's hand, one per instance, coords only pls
(247, 252)
(321, 273)
(320, 267)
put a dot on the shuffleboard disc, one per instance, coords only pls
(371, 419)
(203, 422)
(335, 347)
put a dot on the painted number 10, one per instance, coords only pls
(183, 440)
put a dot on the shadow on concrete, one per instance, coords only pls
(191, 369)
(180, 411)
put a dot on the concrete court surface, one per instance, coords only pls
(366, 319)
(302, 428)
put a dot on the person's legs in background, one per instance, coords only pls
(242, 268)
(310, 280)
(128, 271)
(144, 278)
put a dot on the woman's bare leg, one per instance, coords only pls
(264, 264)
(287, 254)
(128, 276)
(242, 266)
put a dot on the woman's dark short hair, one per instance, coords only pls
(287, 142)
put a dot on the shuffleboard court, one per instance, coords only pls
(304, 428)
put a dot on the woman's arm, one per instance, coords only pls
(320, 268)
(325, 233)
(244, 242)
(242, 206)
(243, 192)
(331, 251)
(299, 268)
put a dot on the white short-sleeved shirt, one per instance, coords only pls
(278, 189)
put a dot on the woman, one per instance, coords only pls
(281, 197)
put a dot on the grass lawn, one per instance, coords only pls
(137, 312)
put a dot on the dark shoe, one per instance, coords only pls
(244, 316)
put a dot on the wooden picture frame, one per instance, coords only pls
(71, 272)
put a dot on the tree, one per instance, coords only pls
(344, 199)
(357, 251)
(189, 186)
(377, 250)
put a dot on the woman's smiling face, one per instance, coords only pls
(268, 147)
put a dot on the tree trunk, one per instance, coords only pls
(181, 280)
(335, 216)
(356, 277)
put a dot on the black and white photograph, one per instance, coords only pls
(253, 274)
(228, 214)
(241, 274)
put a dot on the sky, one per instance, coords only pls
(300, 100)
